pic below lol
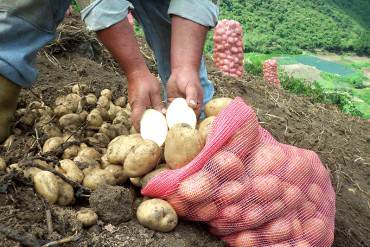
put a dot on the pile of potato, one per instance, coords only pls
(96, 144)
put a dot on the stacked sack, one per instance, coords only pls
(270, 72)
(251, 189)
(228, 48)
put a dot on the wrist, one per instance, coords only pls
(187, 69)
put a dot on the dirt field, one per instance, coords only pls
(343, 143)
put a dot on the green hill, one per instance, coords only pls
(289, 26)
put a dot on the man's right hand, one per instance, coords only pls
(143, 93)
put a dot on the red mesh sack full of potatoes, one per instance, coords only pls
(250, 189)
(228, 51)
(270, 72)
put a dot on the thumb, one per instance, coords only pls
(192, 96)
(137, 113)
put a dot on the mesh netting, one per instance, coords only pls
(251, 189)
(270, 72)
(228, 54)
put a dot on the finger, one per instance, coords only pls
(157, 103)
(192, 96)
(137, 113)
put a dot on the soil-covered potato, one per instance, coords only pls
(80, 88)
(71, 101)
(86, 161)
(2, 164)
(109, 130)
(136, 181)
(71, 152)
(117, 171)
(157, 214)
(122, 118)
(101, 139)
(107, 93)
(87, 217)
(120, 146)
(70, 121)
(91, 99)
(145, 180)
(98, 177)
(14, 168)
(94, 119)
(103, 102)
(142, 158)
(43, 163)
(50, 130)
(182, 144)
(46, 184)
(31, 172)
(205, 127)
(215, 106)
(121, 101)
(61, 110)
(89, 152)
(52, 144)
(71, 170)
(66, 194)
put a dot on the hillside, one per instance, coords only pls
(289, 26)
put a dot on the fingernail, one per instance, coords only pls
(192, 103)
(164, 110)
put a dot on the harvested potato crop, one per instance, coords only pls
(107, 93)
(153, 126)
(109, 130)
(71, 170)
(98, 177)
(120, 146)
(103, 102)
(31, 172)
(142, 158)
(71, 101)
(122, 118)
(52, 144)
(14, 168)
(182, 144)
(89, 152)
(66, 194)
(61, 110)
(178, 112)
(91, 99)
(43, 163)
(83, 115)
(80, 88)
(94, 119)
(86, 161)
(70, 121)
(121, 101)
(145, 180)
(2, 164)
(71, 152)
(215, 106)
(157, 214)
(46, 184)
(50, 130)
(119, 175)
(113, 110)
(205, 127)
(101, 139)
(121, 129)
(136, 181)
(87, 217)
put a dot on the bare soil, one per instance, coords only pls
(343, 143)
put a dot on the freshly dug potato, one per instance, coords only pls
(157, 214)
(50, 130)
(98, 177)
(46, 184)
(2, 165)
(104, 161)
(145, 180)
(61, 110)
(122, 118)
(94, 119)
(98, 139)
(119, 175)
(121, 101)
(69, 137)
(109, 130)
(71, 170)
(182, 144)
(83, 115)
(89, 152)
(29, 118)
(107, 93)
(71, 152)
(9, 142)
(66, 194)
(60, 100)
(91, 99)
(52, 144)
(70, 121)
(215, 106)
(43, 163)
(86, 161)
(136, 181)
(103, 113)
(87, 217)
(31, 172)
(71, 101)
(153, 126)
(205, 127)
(103, 102)
(121, 129)
(120, 146)
(89, 169)
(14, 168)
(80, 88)
(142, 158)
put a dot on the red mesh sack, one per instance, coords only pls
(270, 72)
(228, 54)
(250, 189)
(130, 19)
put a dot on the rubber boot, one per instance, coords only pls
(9, 93)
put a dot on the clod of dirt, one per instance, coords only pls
(113, 204)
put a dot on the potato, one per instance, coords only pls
(83, 115)
(206, 211)
(86, 161)
(145, 180)
(178, 112)
(232, 191)
(66, 194)
(2, 165)
(179, 205)
(314, 230)
(245, 239)
(80, 88)
(89, 169)
(100, 139)
(52, 144)
(109, 130)
(293, 197)
(117, 171)
(9, 142)
(91, 99)
(14, 168)
(103, 102)
(197, 187)
(278, 230)
(142, 158)
(61, 110)
(182, 144)
(59, 100)
(136, 181)
(307, 210)
(43, 163)
(71, 170)
(153, 126)
(89, 152)
(121, 101)
(50, 130)
(71, 101)
(31, 172)
(267, 188)
(227, 165)
(87, 217)
(120, 146)
(46, 184)
(123, 118)
(157, 214)
(231, 213)
(104, 161)
(121, 129)
(113, 110)
(205, 127)
(94, 119)
(70, 121)
(71, 152)
(107, 93)
(315, 194)
(98, 177)
(29, 118)
(215, 106)
(267, 159)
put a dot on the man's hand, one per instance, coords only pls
(143, 93)
(185, 83)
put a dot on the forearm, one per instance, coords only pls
(187, 43)
(120, 40)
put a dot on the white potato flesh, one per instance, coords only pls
(153, 126)
(179, 112)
